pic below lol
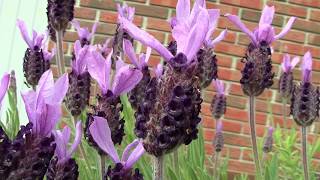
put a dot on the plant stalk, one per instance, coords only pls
(103, 165)
(158, 168)
(59, 56)
(176, 161)
(252, 123)
(284, 112)
(216, 166)
(304, 152)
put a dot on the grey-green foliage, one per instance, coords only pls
(12, 124)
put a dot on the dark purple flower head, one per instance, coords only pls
(4, 86)
(101, 134)
(82, 55)
(287, 65)
(218, 139)
(306, 67)
(264, 32)
(43, 106)
(62, 139)
(125, 79)
(219, 101)
(125, 11)
(286, 78)
(84, 34)
(142, 60)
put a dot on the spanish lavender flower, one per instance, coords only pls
(218, 104)
(305, 97)
(34, 145)
(286, 78)
(267, 146)
(109, 105)
(62, 166)
(137, 94)
(84, 34)
(105, 48)
(218, 141)
(168, 116)
(60, 13)
(4, 86)
(78, 94)
(257, 73)
(122, 169)
(123, 12)
(37, 58)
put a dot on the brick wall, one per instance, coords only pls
(152, 15)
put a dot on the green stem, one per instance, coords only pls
(103, 165)
(284, 112)
(158, 168)
(304, 152)
(216, 166)
(59, 56)
(252, 123)
(176, 161)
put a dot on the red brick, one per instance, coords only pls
(238, 166)
(150, 11)
(224, 61)
(224, 9)
(85, 13)
(287, 9)
(236, 114)
(230, 49)
(167, 3)
(253, 4)
(158, 24)
(260, 130)
(311, 3)
(315, 15)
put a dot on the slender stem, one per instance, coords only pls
(60, 57)
(103, 165)
(284, 112)
(158, 168)
(252, 122)
(216, 166)
(304, 152)
(176, 161)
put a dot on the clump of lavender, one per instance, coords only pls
(137, 94)
(219, 101)
(29, 154)
(62, 166)
(37, 58)
(305, 104)
(286, 82)
(122, 169)
(60, 13)
(109, 105)
(257, 73)
(78, 94)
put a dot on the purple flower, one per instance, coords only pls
(158, 70)
(62, 139)
(143, 59)
(188, 44)
(288, 65)
(265, 32)
(79, 64)
(219, 86)
(185, 20)
(306, 67)
(4, 86)
(267, 146)
(43, 106)
(84, 33)
(102, 136)
(104, 49)
(218, 141)
(125, 12)
(125, 79)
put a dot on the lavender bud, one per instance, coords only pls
(257, 73)
(305, 103)
(119, 172)
(218, 141)
(207, 68)
(78, 94)
(67, 170)
(218, 106)
(172, 47)
(60, 13)
(286, 84)
(267, 146)
(34, 65)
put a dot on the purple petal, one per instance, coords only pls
(30, 99)
(159, 70)
(129, 51)
(24, 32)
(101, 134)
(306, 67)
(213, 20)
(219, 86)
(183, 10)
(286, 29)
(219, 126)
(130, 12)
(38, 40)
(236, 21)
(120, 64)
(49, 55)
(180, 33)
(93, 31)
(195, 11)
(221, 36)
(99, 69)
(197, 35)
(294, 62)
(79, 65)
(266, 33)
(270, 131)
(47, 118)
(173, 22)
(60, 89)
(145, 38)
(4, 86)
(126, 151)
(61, 140)
(126, 79)
(45, 86)
(77, 139)
(134, 156)
(267, 15)
(286, 66)
(120, 10)
(83, 33)
(147, 57)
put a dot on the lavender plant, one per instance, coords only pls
(257, 74)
